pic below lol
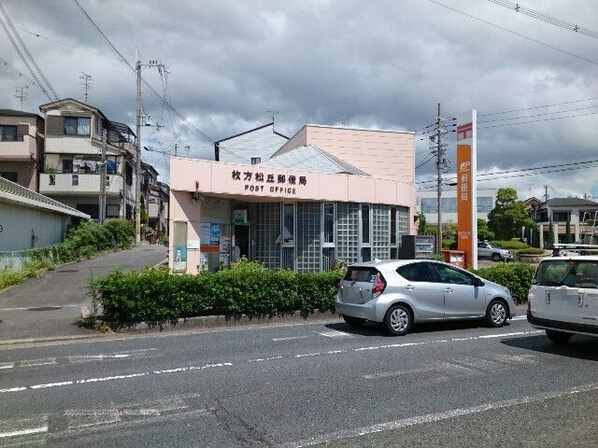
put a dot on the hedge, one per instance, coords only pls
(247, 288)
(517, 277)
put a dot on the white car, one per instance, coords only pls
(398, 293)
(563, 298)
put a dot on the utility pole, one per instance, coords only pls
(103, 174)
(439, 148)
(139, 117)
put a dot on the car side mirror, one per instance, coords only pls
(478, 282)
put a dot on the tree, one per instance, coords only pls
(568, 236)
(421, 224)
(484, 233)
(508, 215)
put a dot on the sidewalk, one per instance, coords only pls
(49, 306)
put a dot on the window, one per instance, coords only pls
(450, 275)
(429, 205)
(288, 224)
(52, 180)
(256, 160)
(416, 272)
(9, 175)
(77, 125)
(448, 205)
(560, 216)
(328, 223)
(67, 165)
(393, 226)
(484, 204)
(365, 223)
(8, 133)
(75, 179)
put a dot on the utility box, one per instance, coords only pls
(417, 246)
(454, 257)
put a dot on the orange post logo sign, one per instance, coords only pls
(465, 204)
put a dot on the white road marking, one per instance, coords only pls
(113, 378)
(290, 338)
(436, 417)
(519, 318)
(336, 334)
(271, 358)
(23, 427)
(7, 365)
(37, 362)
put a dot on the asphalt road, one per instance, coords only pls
(50, 305)
(298, 385)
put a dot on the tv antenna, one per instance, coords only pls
(86, 81)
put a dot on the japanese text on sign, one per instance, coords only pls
(273, 183)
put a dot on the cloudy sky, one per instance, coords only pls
(232, 65)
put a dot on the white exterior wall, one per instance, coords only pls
(19, 223)
(88, 184)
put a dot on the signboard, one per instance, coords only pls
(262, 182)
(179, 264)
(467, 229)
(209, 236)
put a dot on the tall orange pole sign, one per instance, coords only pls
(467, 224)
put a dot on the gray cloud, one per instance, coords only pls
(382, 64)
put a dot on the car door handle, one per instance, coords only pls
(409, 287)
(449, 290)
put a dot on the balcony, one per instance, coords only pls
(79, 184)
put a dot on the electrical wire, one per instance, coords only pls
(537, 107)
(546, 18)
(514, 32)
(153, 92)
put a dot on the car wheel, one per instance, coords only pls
(496, 313)
(496, 257)
(397, 320)
(354, 321)
(558, 337)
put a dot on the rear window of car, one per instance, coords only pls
(573, 273)
(361, 274)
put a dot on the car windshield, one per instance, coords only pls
(574, 273)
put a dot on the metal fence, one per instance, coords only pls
(14, 259)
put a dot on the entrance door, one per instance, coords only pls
(242, 239)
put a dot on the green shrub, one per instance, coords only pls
(510, 244)
(531, 251)
(247, 288)
(517, 277)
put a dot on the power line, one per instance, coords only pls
(546, 18)
(538, 121)
(531, 171)
(25, 55)
(539, 115)
(514, 32)
(538, 107)
(154, 93)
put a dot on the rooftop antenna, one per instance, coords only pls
(22, 95)
(86, 81)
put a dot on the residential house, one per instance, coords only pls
(21, 147)
(156, 195)
(581, 213)
(73, 159)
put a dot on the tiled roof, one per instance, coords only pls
(12, 192)
(571, 202)
(16, 113)
(312, 158)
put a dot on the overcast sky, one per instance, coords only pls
(360, 63)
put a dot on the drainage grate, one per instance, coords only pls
(44, 308)
(67, 270)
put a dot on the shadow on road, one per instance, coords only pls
(580, 347)
(373, 329)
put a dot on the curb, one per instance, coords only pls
(227, 321)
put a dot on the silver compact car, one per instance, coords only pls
(399, 293)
